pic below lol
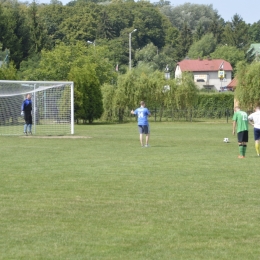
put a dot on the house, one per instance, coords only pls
(208, 73)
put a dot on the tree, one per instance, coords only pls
(141, 83)
(8, 72)
(191, 14)
(216, 27)
(108, 93)
(162, 3)
(166, 56)
(53, 15)
(86, 66)
(200, 31)
(203, 47)
(2, 24)
(247, 91)
(185, 40)
(88, 97)
(105, 27)
(186, 93)
(16, 34)
(56, 64)
(29, 66)
(229, 53)
(150, 24)
(81, 23)
(117, 52)
(254, 32)
(38, 32)
(236, 33)
(172, 35)
(120, 15)
(147, 53)
(155, 58)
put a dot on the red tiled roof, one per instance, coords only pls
(233, 83)
(204, 65)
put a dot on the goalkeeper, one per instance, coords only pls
(27, 113)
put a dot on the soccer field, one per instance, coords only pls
(187, 196)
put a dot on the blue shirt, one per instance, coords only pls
(142, 113)
(26, 105)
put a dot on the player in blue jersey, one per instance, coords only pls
(143, 125)
(27, 113)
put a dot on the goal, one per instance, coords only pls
(52, 107)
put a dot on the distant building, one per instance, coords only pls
(208, 73)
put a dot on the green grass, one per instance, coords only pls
(185, 197)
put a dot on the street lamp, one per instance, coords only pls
(167, 73)
(130, 35)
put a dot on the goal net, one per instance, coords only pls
(52, 107)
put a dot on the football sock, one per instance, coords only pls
(257, 148)
(244, 150)
(241, 149)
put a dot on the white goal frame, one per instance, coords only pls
(15, 89)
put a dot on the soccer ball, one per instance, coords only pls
(226, 140)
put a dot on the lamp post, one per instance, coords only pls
(130, 35)
(167, 73)
(166, 88)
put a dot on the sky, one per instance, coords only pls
(247, 9)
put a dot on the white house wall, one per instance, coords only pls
(178, 72)
(211, 78)
(216, 82)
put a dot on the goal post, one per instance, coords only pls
(52, 107)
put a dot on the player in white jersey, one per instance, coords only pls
(254, 120)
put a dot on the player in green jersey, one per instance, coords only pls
(240, 123)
